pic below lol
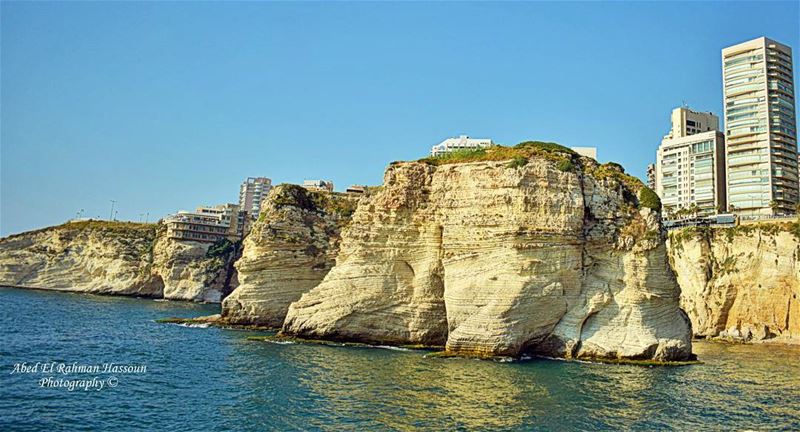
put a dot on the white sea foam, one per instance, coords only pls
(199, 325)
(389, 347)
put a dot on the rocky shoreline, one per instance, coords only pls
(530, 250)
(117, 258)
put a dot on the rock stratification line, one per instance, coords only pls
(490, 258)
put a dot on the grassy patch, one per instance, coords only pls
(649, 199)
(524, 150)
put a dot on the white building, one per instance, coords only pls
(690, 164)
(207, 224)
(252, 193)
(586, 151)
(318, 185)
(760, 127)
(463, 142)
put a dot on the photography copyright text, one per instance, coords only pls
(77, 376)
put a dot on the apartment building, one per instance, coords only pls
(690, 164)
(252, 193)
(686, 122)
(208, 224)
(462, 142)
(228, 214)
(760, 127)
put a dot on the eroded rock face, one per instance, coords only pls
(196, 271)
(487, 259)
(740, 283)
(289, 250)
(97, 257)
(117, 258)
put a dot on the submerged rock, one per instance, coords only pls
(495, 258)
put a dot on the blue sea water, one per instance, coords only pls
(215, 379)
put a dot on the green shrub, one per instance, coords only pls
(649, 199)
(292, 195)
(546, 146)
(616, 166)
(220, 248)
(565, 165)
(466, 155)
(517, 162)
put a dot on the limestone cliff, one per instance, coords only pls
(96, 257)
(289, 250)
(548, 253)
(197, 271)
(117, 258)
(740, 283)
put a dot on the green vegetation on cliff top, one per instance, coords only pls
(729, 234)
(321, 202)
(565, 159)
(115, 227)
(522, 151)
(108, 225)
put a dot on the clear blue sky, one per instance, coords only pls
(165, 106)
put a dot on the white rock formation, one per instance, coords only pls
(489, 258)
(290, 249)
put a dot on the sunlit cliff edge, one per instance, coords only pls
(504, 251)
(740, 283)
(117, 258)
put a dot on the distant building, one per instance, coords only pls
(690, 164)
(760, 127)
(651, 176)
(463, 142)
(586, 151)
(252, 193)
(318, 185)
(229, 214)
(686, 122)
(207, 224)
(356, 189)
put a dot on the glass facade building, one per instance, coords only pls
(760, 127)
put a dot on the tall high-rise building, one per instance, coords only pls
(690, 164)
(760, 127)
(252, 193)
